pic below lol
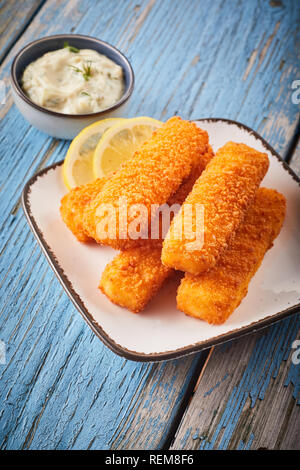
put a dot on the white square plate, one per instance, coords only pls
(162, 332)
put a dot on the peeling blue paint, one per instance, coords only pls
(61, 388)
(216, 386)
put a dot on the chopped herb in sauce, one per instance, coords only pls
(86, 70)
(60, 79)
(71, 48)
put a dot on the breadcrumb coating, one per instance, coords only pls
(214, 295)
(151, 176)
(134, 276)
(74, 203)
(187, 185)
(225, 189)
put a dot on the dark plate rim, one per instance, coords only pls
(87, 316)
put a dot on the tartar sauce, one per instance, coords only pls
(69, 82)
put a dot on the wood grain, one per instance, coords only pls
(248, 395)
(14, 18)
(61, 388)
(35, 310)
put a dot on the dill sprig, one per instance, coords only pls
(86, 70)
(76, 69)
(71, 48)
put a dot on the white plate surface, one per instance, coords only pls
(161, 331)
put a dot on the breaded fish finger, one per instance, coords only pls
(74, 203)
(151, 176)
(214, 295)
(225, 190)
(134, 276)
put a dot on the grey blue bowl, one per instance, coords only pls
(65, 126)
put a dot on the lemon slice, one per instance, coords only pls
(78, 164)
(120, 142)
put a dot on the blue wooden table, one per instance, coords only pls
(60, 387)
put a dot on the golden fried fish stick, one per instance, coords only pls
(73, 207)
(214, 295)
(224, 190)
(151, 176)
(74, 204)
(134, 276)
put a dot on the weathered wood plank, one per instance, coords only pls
(32, 392)
(14, 18)
(61, 387)
(249, 394)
